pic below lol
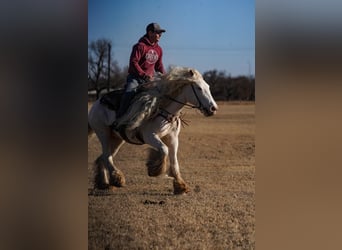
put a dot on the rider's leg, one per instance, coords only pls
(124, 103)
(128, 95)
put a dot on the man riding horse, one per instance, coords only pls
(163, 105)
(145, 61)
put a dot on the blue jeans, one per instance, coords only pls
(131, 86)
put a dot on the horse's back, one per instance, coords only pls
(100, 116)
(112, 99)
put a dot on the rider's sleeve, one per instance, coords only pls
(159, 67)
(136, 55)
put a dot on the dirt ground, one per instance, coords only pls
(217, 160)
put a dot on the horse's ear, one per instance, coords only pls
(191, 72)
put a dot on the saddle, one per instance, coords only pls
(112, 99)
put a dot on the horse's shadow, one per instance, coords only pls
(109, 192)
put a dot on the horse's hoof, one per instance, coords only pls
(118, 179)
(154, 171)
(156, 164)
(101, 180)
(180, 188)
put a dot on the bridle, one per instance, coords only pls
(200, 105)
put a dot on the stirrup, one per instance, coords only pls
(115, 126)
(118, 127)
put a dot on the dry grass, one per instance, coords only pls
(217, 160)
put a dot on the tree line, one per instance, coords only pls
(104, 74)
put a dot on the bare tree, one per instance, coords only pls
(98, 52)
(218, 83)
(118, 75)
(230, 88)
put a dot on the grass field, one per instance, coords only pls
(217, 160)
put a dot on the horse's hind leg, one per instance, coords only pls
(107, 174)
(102, 177)
(117, 177)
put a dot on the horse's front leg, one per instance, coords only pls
(179, 185)
(157, 158)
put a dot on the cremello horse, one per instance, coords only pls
(159, 127)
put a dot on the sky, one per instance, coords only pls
(203, 34)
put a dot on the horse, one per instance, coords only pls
(157, 123)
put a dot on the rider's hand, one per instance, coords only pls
(147, 78)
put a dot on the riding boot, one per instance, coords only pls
(124, 104)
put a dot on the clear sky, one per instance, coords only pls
(204, 34)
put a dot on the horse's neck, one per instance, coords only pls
(174, 107)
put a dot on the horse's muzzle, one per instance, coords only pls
(211, 111)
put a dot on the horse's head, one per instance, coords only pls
(196, 91)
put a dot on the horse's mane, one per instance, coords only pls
(176, 79)
(147, 103)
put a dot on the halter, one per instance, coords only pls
(200, 105)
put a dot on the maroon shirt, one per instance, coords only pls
(145, 59)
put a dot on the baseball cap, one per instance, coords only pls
(154, 27)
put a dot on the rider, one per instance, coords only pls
(145, 60)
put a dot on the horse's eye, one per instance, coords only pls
(199, 88)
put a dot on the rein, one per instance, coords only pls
(200, 106)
